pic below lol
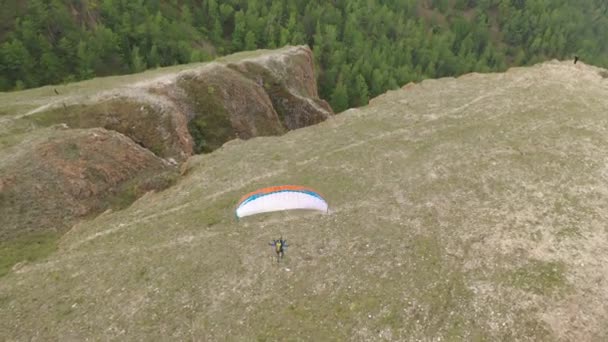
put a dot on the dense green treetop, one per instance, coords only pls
(362, 47)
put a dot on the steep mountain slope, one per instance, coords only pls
(166, 115)
(461, 209)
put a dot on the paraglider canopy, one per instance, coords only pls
(277, 198)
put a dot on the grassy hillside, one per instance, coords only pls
(461, 209)
(58, 167)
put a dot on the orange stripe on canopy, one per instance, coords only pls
(277, 188)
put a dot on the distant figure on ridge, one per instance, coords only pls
(575, 59)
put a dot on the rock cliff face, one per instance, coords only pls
(121, 140)
(245, 96)
(197, 110)
(289, 81)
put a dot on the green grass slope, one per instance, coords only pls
(461, 209)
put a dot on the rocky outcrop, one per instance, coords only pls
(149, 121)
(223, 105)
(244, 97)
(289, 81)
(60, 175)
(197, 110)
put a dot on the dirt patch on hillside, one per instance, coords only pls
(62, 175)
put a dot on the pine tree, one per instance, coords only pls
(250, 41)
(239, 32)
(362, 90)
(154, 57)
(339, 97)
(137, 62)
(17, 63)
(284, 37)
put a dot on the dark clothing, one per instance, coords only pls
(279, 247)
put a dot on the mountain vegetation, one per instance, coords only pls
(362, 47)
